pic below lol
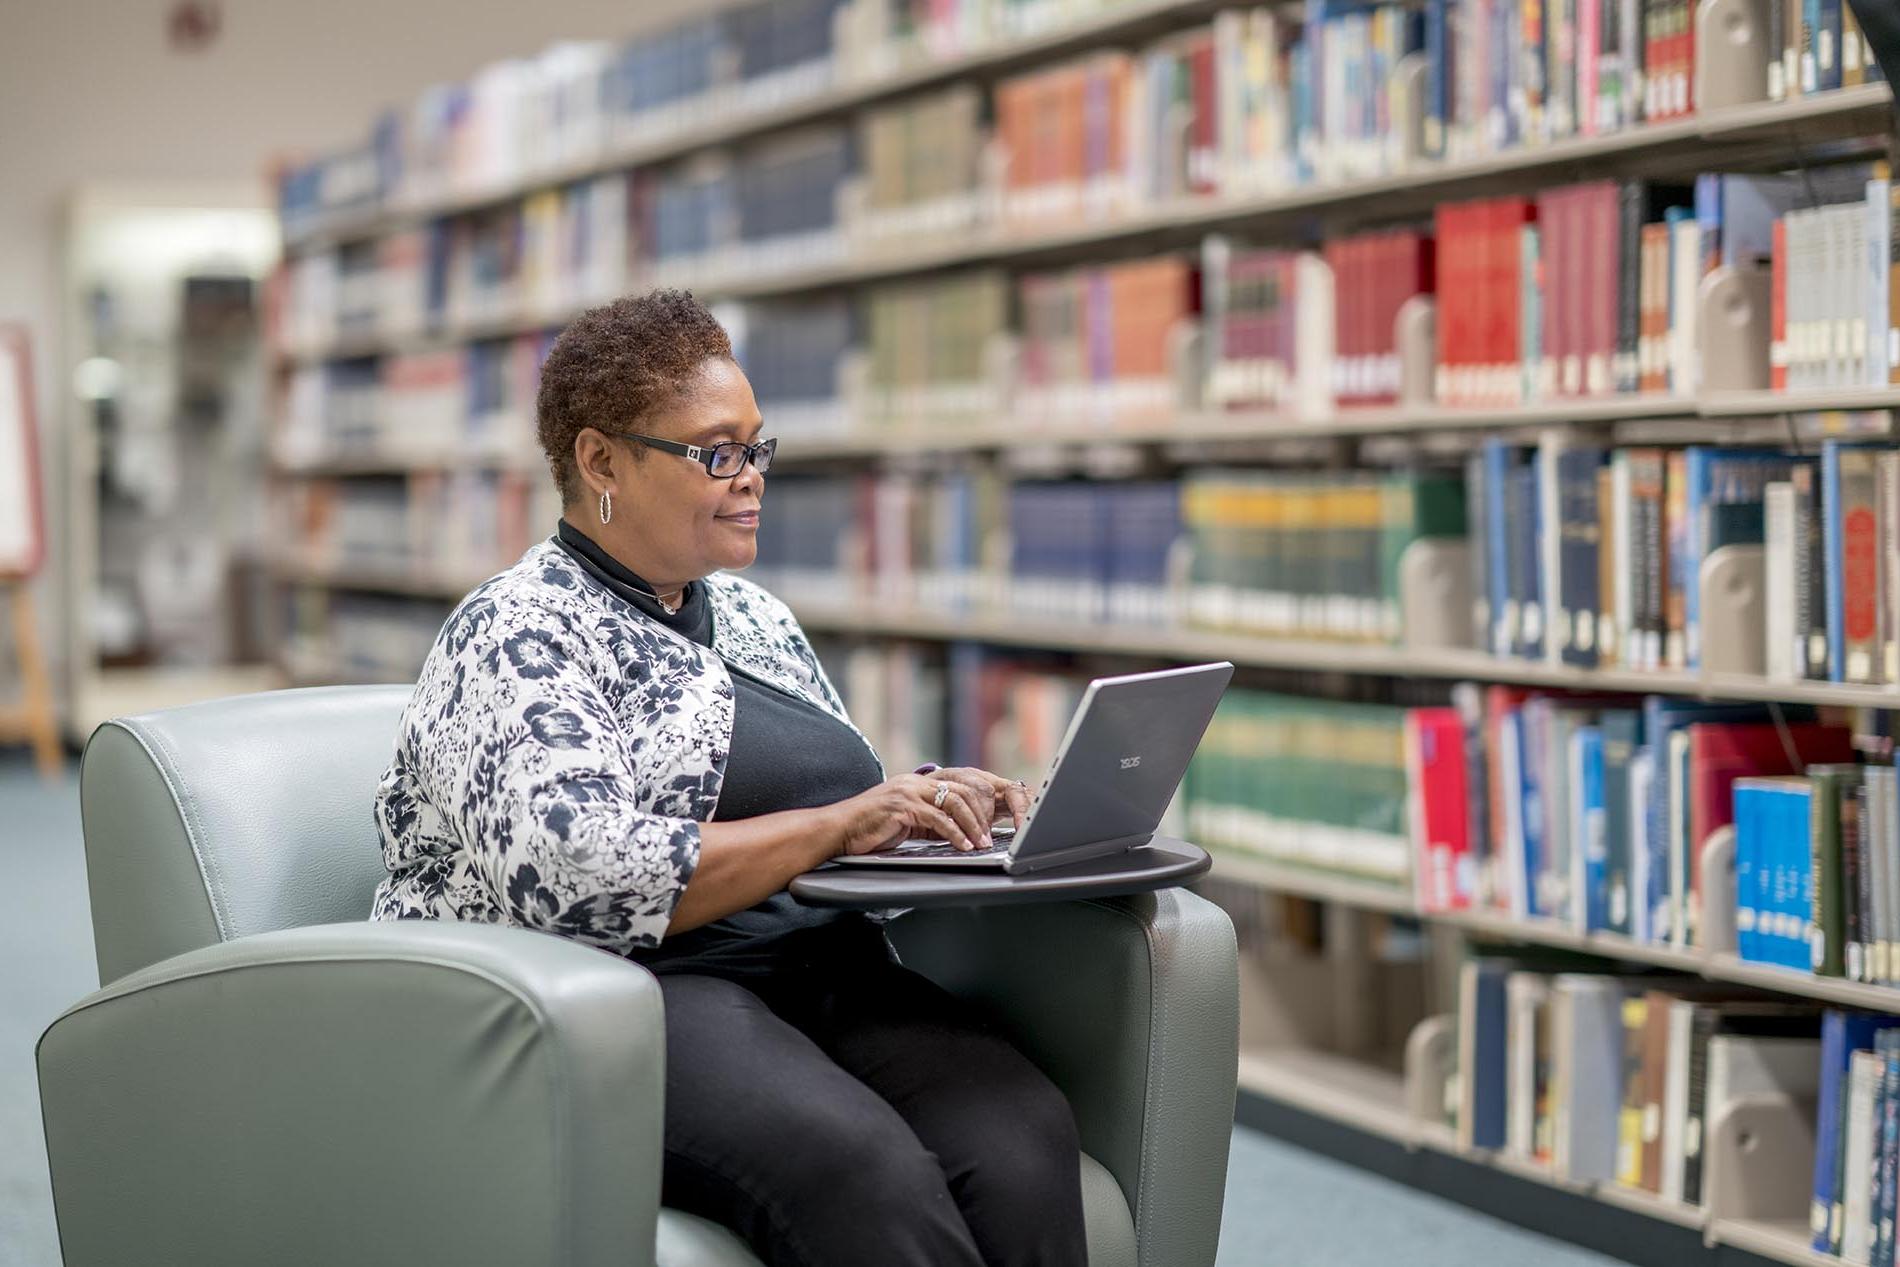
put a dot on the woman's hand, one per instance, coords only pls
(906, 808)
(1003, 796)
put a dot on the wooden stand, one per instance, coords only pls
(33, 720)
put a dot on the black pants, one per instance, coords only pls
(845, 1110)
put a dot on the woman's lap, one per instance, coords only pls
(856, 1110)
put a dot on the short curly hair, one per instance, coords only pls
(613, 365)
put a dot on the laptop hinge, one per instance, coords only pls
(1039, 861)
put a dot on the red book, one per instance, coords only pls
(1555, 253)
(1513, 215)
(1499, 702)
(1722, 752)
(1599, 375)
(1447, 231)
(1439, 811)
(1205, 145)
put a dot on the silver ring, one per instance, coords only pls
(943, 793)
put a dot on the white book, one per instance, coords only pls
(1621, 581)
(1863, 1080)
(1676, 1097)
(1802, 263)
(1878, 219)
(1685, 284)
(1778, 580)
(1526, 995)
(1887, 825)
(1675, 759)
(1874, 857)
(1313, 347)
(1586, 1075)
(1832, 298)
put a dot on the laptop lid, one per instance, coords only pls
(1125, 752)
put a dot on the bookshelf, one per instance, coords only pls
(331, 473)
(1738, 134)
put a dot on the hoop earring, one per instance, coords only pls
(606, 506)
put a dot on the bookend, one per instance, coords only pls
(1715, 923)
(1734, 637)
(1759, 1160)
(1731, 53)
(1416, 334)
(1431, 1053)
(1435, 593)
(1732, 329)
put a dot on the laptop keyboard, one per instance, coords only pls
(1000, 838)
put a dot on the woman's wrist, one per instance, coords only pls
(826, 831)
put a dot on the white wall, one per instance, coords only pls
(90, 90)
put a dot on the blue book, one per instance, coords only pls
(1589, 836)
(1485, 980)
(1790, 877)
(1622, 732)
(1827, 46)
(1754, 811)
(1438, 60)
(1533, 730)
(1529, 585)
(1842, 1034)
(1498, 457)
(1771, 897)
(1887, 1122)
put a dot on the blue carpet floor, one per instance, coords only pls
(1286, 1207)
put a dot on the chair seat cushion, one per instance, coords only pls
(686, 1240)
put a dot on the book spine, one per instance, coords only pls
(1778, 584)
(1833, 1041)
(1853, 561)
(1778, 310)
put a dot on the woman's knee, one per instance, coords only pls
(1032, 1151)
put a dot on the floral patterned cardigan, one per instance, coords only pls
(561, 749)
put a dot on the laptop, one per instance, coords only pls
(1123, 756)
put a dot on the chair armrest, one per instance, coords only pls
(407, 1092)
(1131, 1005)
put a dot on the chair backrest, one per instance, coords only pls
(232, 817)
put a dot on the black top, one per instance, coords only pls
(786, 754)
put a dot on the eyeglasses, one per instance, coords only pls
(722, 461)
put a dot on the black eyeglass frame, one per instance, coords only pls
(708, 455)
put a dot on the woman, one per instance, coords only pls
(619, 741)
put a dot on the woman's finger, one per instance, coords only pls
(985, 792)
(1016, 796)
(961, 805)
(945, 828)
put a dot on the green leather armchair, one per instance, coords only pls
(268, 1077)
